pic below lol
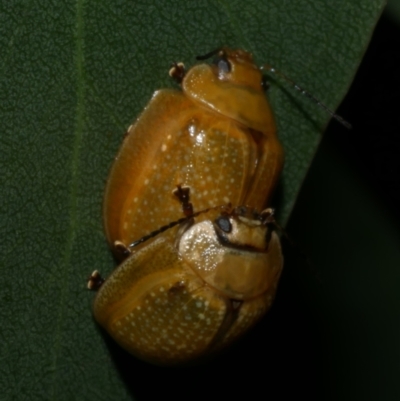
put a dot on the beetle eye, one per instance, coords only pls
(224, 224)
(223, 64)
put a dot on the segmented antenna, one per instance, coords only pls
(209, 54)
(304, 92)
(173, 224)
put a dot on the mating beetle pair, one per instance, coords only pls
(199, 282)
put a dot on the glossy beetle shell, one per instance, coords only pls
(193, 289)
(169, 307)
(203, 137)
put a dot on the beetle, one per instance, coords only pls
(191, 287)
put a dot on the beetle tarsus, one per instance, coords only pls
(183, 194)
(121, 251)
(267, 216)
(95, 281)
(177, 72)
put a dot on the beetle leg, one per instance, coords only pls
(121, 251)
(177, 72)
(95, 281)
(231, 314)
(183, 194)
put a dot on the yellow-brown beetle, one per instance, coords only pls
(193, 287)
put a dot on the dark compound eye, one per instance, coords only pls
(223, 64)
(224, 224)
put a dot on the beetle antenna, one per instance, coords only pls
(173, 224)
(304, 92)
(278, 227)
(209, 54)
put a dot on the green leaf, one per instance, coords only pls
(73, 78)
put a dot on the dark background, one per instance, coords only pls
(347, 220)
(372, 148)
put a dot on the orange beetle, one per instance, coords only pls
(191, 288)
